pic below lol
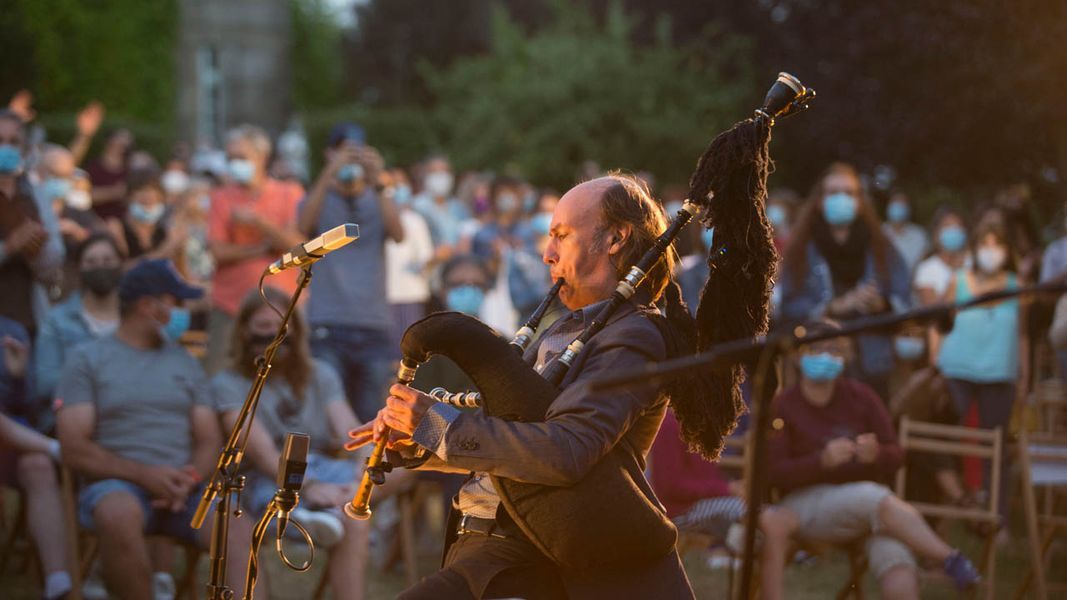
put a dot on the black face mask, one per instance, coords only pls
(257, 343)
(101, 281)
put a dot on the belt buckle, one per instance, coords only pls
(463, 520)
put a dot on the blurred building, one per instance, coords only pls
(233, 66)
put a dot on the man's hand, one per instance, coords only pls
(838, 451)
(405, 407)
(372, 162)
(170, 485)
(867, 448)
(22, 105)
(346, 154)
(89, 119)
(246, 216)
(372, 432)
(16, 356)
(27, 239)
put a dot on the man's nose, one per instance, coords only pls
(550, 256)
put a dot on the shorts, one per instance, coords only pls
(157, 521)
(848, 512)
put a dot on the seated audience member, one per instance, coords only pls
(108, 174)
(90, 314)
(302, 395)
(143, 232)
(832, 447)
(26, 460)
(909, 239)
(935, 272)
(136, 422)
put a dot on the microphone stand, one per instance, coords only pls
(226, 480)
(284, 500)
(763, 352)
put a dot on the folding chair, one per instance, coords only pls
(1042, 462)
(957, 441)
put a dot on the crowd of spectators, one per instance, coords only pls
(114, 272)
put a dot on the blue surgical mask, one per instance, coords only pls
(952, 238)
(402, 194)
(241, 170)
(10, 159)
(541, 222)
(897, 212)
(150, 216)
(507, 202)
(54, 187)
(909, 348)
(839, 209)
(708, 236)
(178, 324)
(349, 173)
(776, 215)
(822, 367)
(466, 299)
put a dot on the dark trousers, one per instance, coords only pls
(995, 402)
(480, 566)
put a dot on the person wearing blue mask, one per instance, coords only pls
(831, 452)
(935, 272)
(353, 188)
(407, 281)
(143, 232)
(909, 239)
(839, 264)
(31, 249)
(136, 420)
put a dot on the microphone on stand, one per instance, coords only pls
(291, 467)
(314, 249)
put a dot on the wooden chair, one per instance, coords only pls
(957, 441)
(1042, 462)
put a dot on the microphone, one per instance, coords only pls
(291, 467)
(314, 249)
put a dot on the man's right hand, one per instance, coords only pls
(347, 154)
(838, 451)
(27, 239)
(169, 485)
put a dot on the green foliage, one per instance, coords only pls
(540, 104)
(316, 55)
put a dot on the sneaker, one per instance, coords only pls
(93, 588)
(735, 539)
(325, 528)
(961, 570)
(163, 587)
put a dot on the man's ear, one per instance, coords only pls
(618, 238)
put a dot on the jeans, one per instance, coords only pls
(995, 402)
(361, 357)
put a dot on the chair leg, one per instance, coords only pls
(989, 576)
(1037, 569)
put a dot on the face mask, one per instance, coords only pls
(507, 202)
(349, 173)
(821, 367)
(839, 209)
(402, 194)
(897, 212)
(439, 183)
(79, 200)
(53, 188)
(174, 182)
(466, 299)
(708, 236)
(258, 342)
(241, 170)
(952, 238)
(991, 258)
(776, 215)
(909, 348)
(541, 223)
(10, 159)
(529, 202)
(101, 281)
(178, 324)
(149, 216)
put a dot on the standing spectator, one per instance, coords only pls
(443, 213)
(781, 205)
(108, 174)
(984, 357)
(407, 285)
(87, 123)
(908, 238)
(252, 220)
(840, 264)
(1054, 261)
(88, 315)
(31, 249)
(935, 273)
(142, 231)
(348, 310)
(136, 420)
(832, 449)
(26, 460)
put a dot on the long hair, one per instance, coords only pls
(795, 264)
(999, 231)
(295, 367)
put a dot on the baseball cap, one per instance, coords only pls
(155, 278)
(346, 132)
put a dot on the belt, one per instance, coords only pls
(472, 524)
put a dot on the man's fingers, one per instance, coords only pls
(403, 392)
(363, 429)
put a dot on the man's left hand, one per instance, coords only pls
(405, 407)
(867, 448)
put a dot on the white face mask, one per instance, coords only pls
(438, 183)
(174, 182)
(79, 200)
(991, 258)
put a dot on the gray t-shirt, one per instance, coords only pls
(143, 398)
(348, 287)
(280, 411)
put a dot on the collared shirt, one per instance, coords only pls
(477, 497)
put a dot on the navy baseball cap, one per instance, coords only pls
(346, 132)
(155, 278)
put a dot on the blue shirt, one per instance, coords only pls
(983, 345)
(348, 287)
(445, 220)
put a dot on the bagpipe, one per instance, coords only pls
(621, 521)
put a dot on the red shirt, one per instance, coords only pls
(800, 431)
(680, 477)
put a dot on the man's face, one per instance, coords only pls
(242, 149)
(579, 247)
(59, 164)
(11, 133)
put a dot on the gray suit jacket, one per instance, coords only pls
(581, 427)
